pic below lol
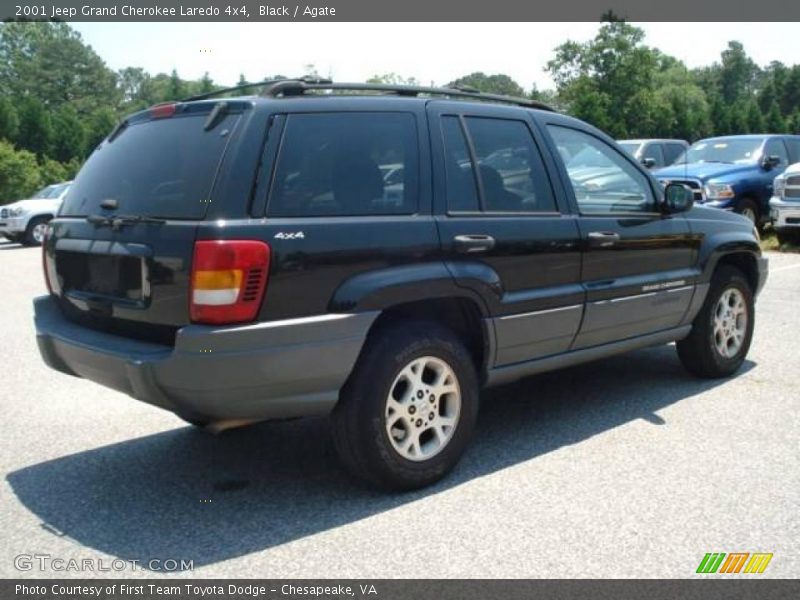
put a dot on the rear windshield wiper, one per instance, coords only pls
(117, 221)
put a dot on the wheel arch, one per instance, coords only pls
(459, 314)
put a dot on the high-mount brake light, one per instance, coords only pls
(228, 280)
(162, 111)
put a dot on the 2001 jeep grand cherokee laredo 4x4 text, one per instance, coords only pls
(377, 255)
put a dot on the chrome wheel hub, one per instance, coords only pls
(38, 232)
(730, 322)
(423, 408)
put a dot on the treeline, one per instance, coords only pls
(58, 99)
(630, 90)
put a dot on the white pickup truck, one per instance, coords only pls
(25, 221)
(785, 205)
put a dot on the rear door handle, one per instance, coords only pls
(602, 239)
(473, 243)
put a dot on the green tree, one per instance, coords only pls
(69, 135)
(490, 84)
(99, 125)
(774, 121)
(9, 121)
(176, 88)
(206, 84)
(614, 68)
(392, 79)
(737, 72)
(50, 62)
(755, 118)
(52, 171)
(136, 87)
(35, 131)
(738, 117)
(19, 173)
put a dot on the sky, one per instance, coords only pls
(431, 52)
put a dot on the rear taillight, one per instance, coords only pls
(228, 280)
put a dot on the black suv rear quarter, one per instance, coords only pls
(293, 256)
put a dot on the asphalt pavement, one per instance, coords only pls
(627, 467)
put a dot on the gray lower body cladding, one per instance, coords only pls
(266, 370)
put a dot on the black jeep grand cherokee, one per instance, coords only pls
(377, 255)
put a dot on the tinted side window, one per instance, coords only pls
(341, 164)
(510, 168)
(671, 152)
(794, 149)
(654, 151)
(775, 147)
(602, 179)
(462, 192)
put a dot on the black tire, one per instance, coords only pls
(28, 238)
(698, 352)
(786, 238)
(746, 207)
(358, 421)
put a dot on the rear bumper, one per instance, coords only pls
(266, 370)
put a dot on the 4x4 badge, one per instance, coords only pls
(293, 235)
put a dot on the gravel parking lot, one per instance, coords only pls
(626, 467)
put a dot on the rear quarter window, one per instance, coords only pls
(346, 164)
(159, 168)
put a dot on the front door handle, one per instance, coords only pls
(473, 243)
(602, 239)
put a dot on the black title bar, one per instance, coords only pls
(402, 10)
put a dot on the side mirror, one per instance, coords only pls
(770, 162)
(678, 197)
(649, 162)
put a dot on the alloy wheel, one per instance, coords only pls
(730, 322)
(422, 408)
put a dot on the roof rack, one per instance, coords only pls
(244, 86)
(298, 87)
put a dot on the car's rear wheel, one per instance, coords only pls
(408, 411)
(36, 231)
(723, 329)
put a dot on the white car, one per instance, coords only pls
(26, 221)
(784, 206)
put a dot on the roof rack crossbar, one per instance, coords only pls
(297, 87)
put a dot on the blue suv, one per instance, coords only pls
(734, 172)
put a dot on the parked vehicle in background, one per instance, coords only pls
(294, 288)
(735, 172)
(785, 205)
(25, 221)
(655, 153)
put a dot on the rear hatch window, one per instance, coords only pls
(155, 167)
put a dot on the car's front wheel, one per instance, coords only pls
(36, 231)
(407, 414)
(749, 209)
(723, 329)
